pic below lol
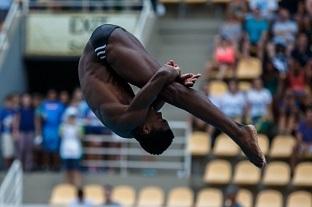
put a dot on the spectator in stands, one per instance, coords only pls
(266, 7)
(224, 58)
(259, 102)
(64, 98)
(304, 137)
(296, 79)
(81, 201)
(109, 202)
(4, 8)
(256, 28)
(280, 58)
(6, 123)
(288, 113)
(284, 30)
(232, 29)
(51, 111)
(24, 132)
(233, 102)
(308, 70)
(302, 51)
(231, 197)
(238, 8)
(270, 78)
(71, 150)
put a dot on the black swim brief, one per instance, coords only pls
(99, 40)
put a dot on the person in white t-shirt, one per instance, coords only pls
(71, 149)
(233, 102)
(267, 7)
(259, 101)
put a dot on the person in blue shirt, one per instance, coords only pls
(256, 28)
(6, 123)
(24, 132)
(304, 138)
(51, 112)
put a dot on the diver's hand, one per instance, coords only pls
(168, 72)
(188, 79)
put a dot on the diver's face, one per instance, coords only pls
(155, 121)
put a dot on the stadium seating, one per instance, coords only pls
(299, 198)
(245, 198)
(276, 173)
(199, 144)
(63, 194)
(209, 197)
(218, 172)
(244, 86)
(282, 146)
(151, 196)
(224, 146)
(263, 141)
(125, 195)
(95, 194)
(249, 68)
(303, 174)
(269, 198)
(180, 197)
(217, 88)
(246, 174)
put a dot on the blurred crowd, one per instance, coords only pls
(43, 131)
(278, 34)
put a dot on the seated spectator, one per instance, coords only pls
(301, 16)
(304, 137)
(80, 200)
(280, 59)
(24, 132)
(288, 113)
(284, 30)
(296, 79)
(266, 7)
(259, 102)
(256, 29)
(7, 114)
(302, 51)
(233, 102)
(231, 29)
(224, 58)
(109, 202)
(308, 70)
(231, 197)
(71, 149)
(238, 8)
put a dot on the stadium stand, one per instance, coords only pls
(63, 194)
(225, 147)
(218, 172)
(299, 198)
(94, 193)
(180, 197)
(302, 174)
(276, 173)
(245, 198)
(246, 174)
(151, 196)
(269, 198)
(125, 195)
(209, 197)
(199, 144)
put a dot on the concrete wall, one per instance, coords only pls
(12, 76)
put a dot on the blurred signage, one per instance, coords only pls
(67, 34)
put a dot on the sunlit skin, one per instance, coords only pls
(110, 96)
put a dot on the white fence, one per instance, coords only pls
(11, 189)
(126, 155)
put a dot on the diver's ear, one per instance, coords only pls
(146, 129)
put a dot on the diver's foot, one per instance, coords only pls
(249, 145)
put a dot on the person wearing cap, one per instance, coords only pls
(71, 150)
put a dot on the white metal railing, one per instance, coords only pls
(7, 27)
(83, 4)
(147, 12)
(11, 189)
(129, 155)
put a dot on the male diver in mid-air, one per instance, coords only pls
(112, 59)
